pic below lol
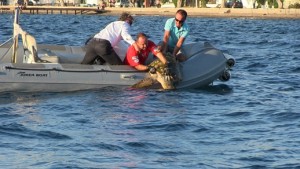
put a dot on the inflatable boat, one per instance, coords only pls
(29, 67)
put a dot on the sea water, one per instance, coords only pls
(251, 121)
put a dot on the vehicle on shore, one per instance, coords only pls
(234, 4)
(122, 3)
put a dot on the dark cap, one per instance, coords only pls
(125, 16)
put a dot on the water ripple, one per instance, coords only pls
(250, 121)
(18, 130)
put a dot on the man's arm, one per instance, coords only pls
(125, 34)
(178, 46)
(161, 57)
(141, 67)
(165, 41)
(127, 37)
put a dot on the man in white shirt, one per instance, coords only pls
(101, 45)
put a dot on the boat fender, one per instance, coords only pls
(225, 76)
(230, 62)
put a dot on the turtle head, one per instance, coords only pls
(166, 81)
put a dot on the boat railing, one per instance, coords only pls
(6, 51)
(13, 48)
(30, 54)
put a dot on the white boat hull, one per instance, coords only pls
(205, 65)
(30, 67)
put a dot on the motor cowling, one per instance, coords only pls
(225, 76)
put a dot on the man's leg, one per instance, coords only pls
(107, 53)
(90, 54)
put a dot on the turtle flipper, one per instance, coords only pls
(145, 83)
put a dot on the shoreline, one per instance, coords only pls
(192, 12)
(212, 12)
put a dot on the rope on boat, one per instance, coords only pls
(75, 71)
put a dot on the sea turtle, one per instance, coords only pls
(166, 75)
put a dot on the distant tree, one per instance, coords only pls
(179, 3)
(281, 3)
(273, 3)
(261, 2)
(295, 5)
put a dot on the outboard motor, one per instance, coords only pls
(225, 76)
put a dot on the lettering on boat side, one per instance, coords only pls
(24, 74)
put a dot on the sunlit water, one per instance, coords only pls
(252, 121)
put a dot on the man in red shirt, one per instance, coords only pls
(137, 59)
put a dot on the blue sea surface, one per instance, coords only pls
(249, 122)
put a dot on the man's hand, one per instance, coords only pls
(158, 48)
(180, 57)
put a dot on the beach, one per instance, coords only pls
(212, 12)
(192, 12)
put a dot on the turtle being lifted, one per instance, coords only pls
(166, 75)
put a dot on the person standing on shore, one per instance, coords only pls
(101, 45)
(176, 31)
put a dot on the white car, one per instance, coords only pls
(31, 3)
(122, 3)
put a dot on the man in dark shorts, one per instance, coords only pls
(101, 45)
